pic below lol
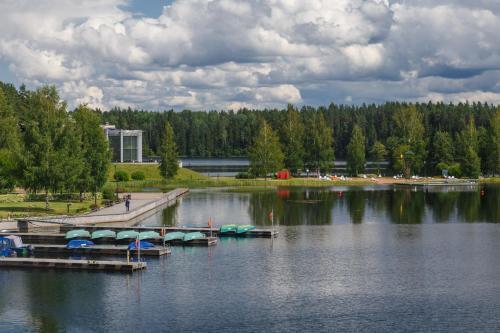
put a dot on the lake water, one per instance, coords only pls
(346, 259)
(214, 167)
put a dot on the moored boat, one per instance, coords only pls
(241, 229)
(103, 234)
(193, 235)
(77, 234)
(176, 235)
(140, 244)
(127, 234)
(228, 228)
(148, 235)
(6, 247)
(79, 243)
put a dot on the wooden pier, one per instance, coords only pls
(91, 265)
(45, 249)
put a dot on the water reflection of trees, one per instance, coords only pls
(400, 205)
(293, 207)
(356, 205)
(442, 204)
(406, 206)
(169, 214)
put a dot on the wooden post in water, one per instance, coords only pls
(210, 225)
(138, 249)
(272, 220)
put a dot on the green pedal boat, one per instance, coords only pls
(244, 228)
(176, 235)
(228, 229)
(80, 233)
(193, 235)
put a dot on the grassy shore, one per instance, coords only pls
(192, 179)
(16, 205)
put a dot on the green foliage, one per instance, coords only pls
(51, 160)
(121, 176)
(378, 154)
(442, 149)
(319, 142)
(138, 175)
(467, 147)
(265, 154)
(403, 158)
(108, 193)
(410, 152)
(356, 152)
(168, 163)
(495, 143)
(95, 152)
(471, 164)
(293, 140)
(244, 175)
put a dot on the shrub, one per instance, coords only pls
(108, 193)
(455, 170)
(244, 175)
(138, 175)
(121, 176)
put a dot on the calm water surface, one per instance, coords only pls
(367, 259)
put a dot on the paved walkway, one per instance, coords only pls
(141, 203)
(138, 200)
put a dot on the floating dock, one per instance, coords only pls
(92, 265)
(256, 233)
(36, 238)
(44, 249)
(443, 183)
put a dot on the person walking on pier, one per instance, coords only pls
(127, 203)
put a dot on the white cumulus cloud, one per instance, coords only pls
(216, 54)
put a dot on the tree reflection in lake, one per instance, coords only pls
(322, 206)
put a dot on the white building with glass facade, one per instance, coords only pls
(126, 145)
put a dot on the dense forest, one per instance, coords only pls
(462, 138)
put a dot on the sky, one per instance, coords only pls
(229, 54)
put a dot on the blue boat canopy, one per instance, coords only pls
(142, 245)
(78, 243)
(6, 247)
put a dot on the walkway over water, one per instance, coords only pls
(141, 205)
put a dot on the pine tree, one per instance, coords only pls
(265, 154)
(356, 151)
(293, 139)
(409, 130)
(319, 143)
(467, 150)
(495, 138)
(168, 164)
(442, 151)
(378, 153)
